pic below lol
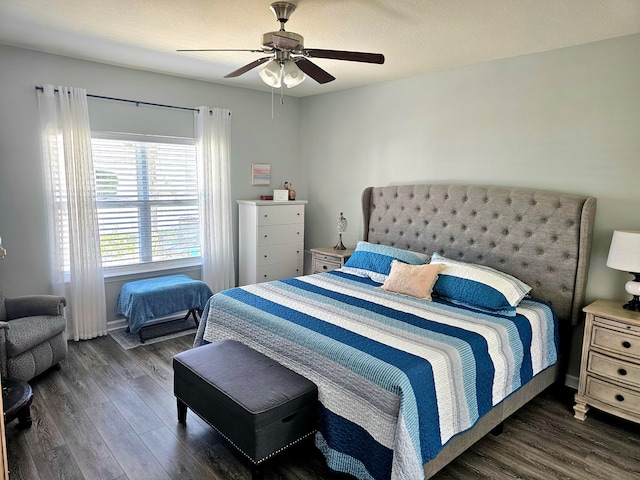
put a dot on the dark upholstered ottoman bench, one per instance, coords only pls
(257, 404)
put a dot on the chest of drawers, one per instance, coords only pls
(610, 368)
(271, 240)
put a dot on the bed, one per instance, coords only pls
(406, 385)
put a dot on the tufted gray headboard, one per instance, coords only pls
(540, 237)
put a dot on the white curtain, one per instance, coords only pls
(74, 239)
(213, 130)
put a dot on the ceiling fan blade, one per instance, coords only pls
(344, 55)
(314, 71)
(247, 67)
(220, 50)
(284, 43)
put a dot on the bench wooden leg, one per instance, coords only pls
(182, 411)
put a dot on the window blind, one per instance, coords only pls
(147, 199)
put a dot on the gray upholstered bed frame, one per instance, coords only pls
(543, 238)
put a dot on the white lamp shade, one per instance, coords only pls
(624, 253)
(291, 74)
(271, 74)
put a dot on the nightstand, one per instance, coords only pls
(610, 367)
(327, 259)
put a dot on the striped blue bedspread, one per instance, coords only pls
(397, 376)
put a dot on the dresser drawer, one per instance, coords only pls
(614, 368)
(617, 397)
(284, 253)
(280, 214)
(281, 270)
(277, 234)
(618, 342)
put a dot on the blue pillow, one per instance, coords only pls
(374, 261)
(478, 286)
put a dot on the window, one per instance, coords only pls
(147, 198)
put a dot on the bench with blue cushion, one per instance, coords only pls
(145, 300)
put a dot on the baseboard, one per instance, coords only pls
(571, 381)
(115, 324)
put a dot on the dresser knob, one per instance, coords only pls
(619, 398)
(622, 371)
(626, 344)
(265, 256)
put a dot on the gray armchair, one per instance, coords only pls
(32, 334)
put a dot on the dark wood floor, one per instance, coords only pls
(110, 414)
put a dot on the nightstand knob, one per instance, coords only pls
(324, 267)
(622, 371)
(626, 344)
(619, 398)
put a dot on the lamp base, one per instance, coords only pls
(339, 245)
(633, 304)
(633, 288)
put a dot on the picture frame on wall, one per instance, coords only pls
(260, 174)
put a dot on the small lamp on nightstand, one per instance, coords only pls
(624, 254)
(341, 227)
(3, 252)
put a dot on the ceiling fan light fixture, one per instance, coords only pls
(292, 75)
(271, 74)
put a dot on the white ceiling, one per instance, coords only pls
(416, 36)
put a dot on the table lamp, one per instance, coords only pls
(341, 227)
(624, 254)
(3, 252)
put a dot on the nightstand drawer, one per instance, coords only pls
(323, 265)
(618, 342)
(615, 369)
(618, 397)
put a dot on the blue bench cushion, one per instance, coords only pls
(144, 300)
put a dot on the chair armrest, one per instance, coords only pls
(4, 326)
(30, 305)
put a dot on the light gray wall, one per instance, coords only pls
(256, 137)
(566, 120)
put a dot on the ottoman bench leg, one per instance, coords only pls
(257, 472)
(182, 411)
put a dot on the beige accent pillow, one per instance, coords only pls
(413, 280)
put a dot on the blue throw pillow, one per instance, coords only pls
(478, 286)
(374, 261)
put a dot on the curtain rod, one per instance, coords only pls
(137, 102)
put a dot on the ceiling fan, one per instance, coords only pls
(288, 60)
